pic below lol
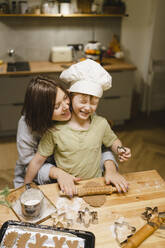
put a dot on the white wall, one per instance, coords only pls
(32, 38)
(142, 33)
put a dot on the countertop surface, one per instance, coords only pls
(109, 64)
(146, 189)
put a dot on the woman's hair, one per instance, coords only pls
(39, 103)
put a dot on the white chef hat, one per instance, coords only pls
(87, 77)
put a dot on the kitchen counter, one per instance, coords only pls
(36, 67)
(146, 189)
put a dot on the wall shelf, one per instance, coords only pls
(64, 16)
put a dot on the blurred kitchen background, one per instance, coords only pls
(126, 36)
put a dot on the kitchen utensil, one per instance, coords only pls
(154, 221)
(100, 190)
(36, 234)
(78, 51)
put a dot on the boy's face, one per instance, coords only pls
(84, 105)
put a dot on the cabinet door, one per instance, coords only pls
(10, 115)
(115, 108)
(122, 84)
(13, 89)
(11, 101)
(115, 104)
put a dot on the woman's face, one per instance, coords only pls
(62, 107)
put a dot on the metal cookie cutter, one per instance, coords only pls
(153, 212)
(60, 220)
(131, 229)
(87, 217)
(121, 149)
(150, 213)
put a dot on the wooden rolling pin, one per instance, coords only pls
(98, 190)
(143, 233)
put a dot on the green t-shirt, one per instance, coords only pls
(78, 152)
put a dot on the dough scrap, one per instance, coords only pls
(94, 200)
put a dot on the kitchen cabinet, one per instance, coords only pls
(115, 104)
(11, 101)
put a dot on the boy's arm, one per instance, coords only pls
(34, 167)
(117, 143)
(124, 153)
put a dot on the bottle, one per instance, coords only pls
(23, 7)
(14, 7)
(45, 7)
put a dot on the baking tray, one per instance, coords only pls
(84, 239)
(48, 208)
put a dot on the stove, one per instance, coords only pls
(18, 66)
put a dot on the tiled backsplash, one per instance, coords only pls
(32, 38)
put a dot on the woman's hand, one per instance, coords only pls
(66, 181)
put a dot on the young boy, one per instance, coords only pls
(76, 144)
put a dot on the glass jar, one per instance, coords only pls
(65, 7)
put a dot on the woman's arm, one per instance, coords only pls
(106, 156)
(34, 167)
(27, 142)
(26, 146)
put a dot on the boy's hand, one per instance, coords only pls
(67, 182)
(117, 180)
(124, 153)
(113, 176)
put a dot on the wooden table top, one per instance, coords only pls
(146, 189)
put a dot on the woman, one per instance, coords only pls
(43, 106)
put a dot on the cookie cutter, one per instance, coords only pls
(149, 213)
(121, 224)
(87, 217)
(60, 220)
(121, 149)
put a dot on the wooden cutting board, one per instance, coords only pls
(13, 199)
